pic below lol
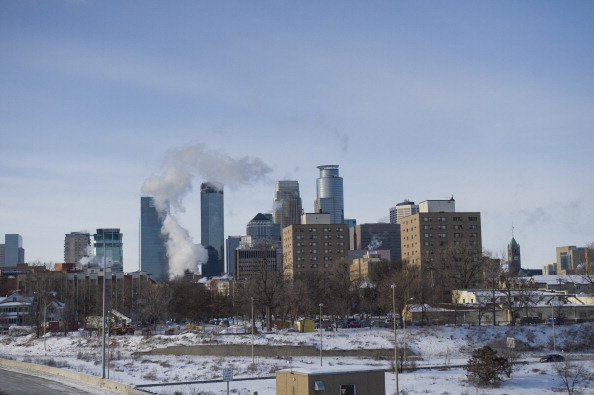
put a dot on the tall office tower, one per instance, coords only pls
(261, 229)
(329, 194)
(76, 246)
(231, 244)
(403, 209)
(575, 260)
(153, 249)
(13, 251)
(108, 248)
(287, 204)
(374, 237)
(212, 228)
(514, 261)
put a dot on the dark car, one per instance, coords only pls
(552, 358)
(354, 324)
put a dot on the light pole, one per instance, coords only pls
(252, 324)
(553, 324)
(404, 329)
(321, 331)
(393, 286)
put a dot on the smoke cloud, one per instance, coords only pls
(169, 189)
(374, 244)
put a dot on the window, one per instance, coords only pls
(457, 227)
(327, 243)
(313, 265)
(313, 244)
(473, 235)
(313, 258)
(426, 227)
(313, 229)
(327, 258)
(442, 219)
(327, 236)
(473, 218)
(427, 235)
(457, 219)
(457, 234)
(340, 243)
(443, 227)
(473, 227)
(313, 251)
(442, 235)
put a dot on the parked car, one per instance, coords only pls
(530, 320)
(552, 358)
(354, 324)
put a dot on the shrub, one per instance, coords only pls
(485, 367)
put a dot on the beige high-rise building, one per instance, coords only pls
(76, 246)
(574, 260)
(314, 246)
(436, 228)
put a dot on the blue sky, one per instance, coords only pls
(489, 101)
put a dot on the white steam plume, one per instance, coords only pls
(374, 244)
(169, 189)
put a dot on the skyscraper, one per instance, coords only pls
(263, 230)
(153, 250)
(329, 194)
(287, 204)
(12, 251)
(108, 248)
(212, 228)
(401, 210)
(76, 245)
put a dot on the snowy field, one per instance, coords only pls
(436, 352)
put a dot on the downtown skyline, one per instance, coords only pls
(487, 101)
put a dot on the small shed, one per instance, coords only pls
(306, 325)
(343, 380)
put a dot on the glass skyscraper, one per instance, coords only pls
(212, 233)
(287, 204)
(108, 247)
(153, 251)
(329, 194)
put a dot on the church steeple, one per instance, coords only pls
(514, 261)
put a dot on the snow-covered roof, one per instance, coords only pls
(317, 370)
(553, 279)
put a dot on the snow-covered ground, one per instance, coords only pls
(441, 348)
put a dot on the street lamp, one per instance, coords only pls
(404, 328)
(393, 286)
(553, 324)
(252, 323)
(321, 331)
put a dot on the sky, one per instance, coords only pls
(491, 102)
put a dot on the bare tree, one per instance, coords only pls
(572, 374)
(458, 266)
(267, 281)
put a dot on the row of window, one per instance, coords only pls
(455, 219)
(443, 227)
(301, 230)
(313, 266)
(326, 251)
(444, 235)
(314, 237)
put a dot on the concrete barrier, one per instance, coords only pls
(80, 377)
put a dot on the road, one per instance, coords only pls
(13, 382)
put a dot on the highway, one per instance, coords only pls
(13, 382)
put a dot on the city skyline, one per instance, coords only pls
(487, 101)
